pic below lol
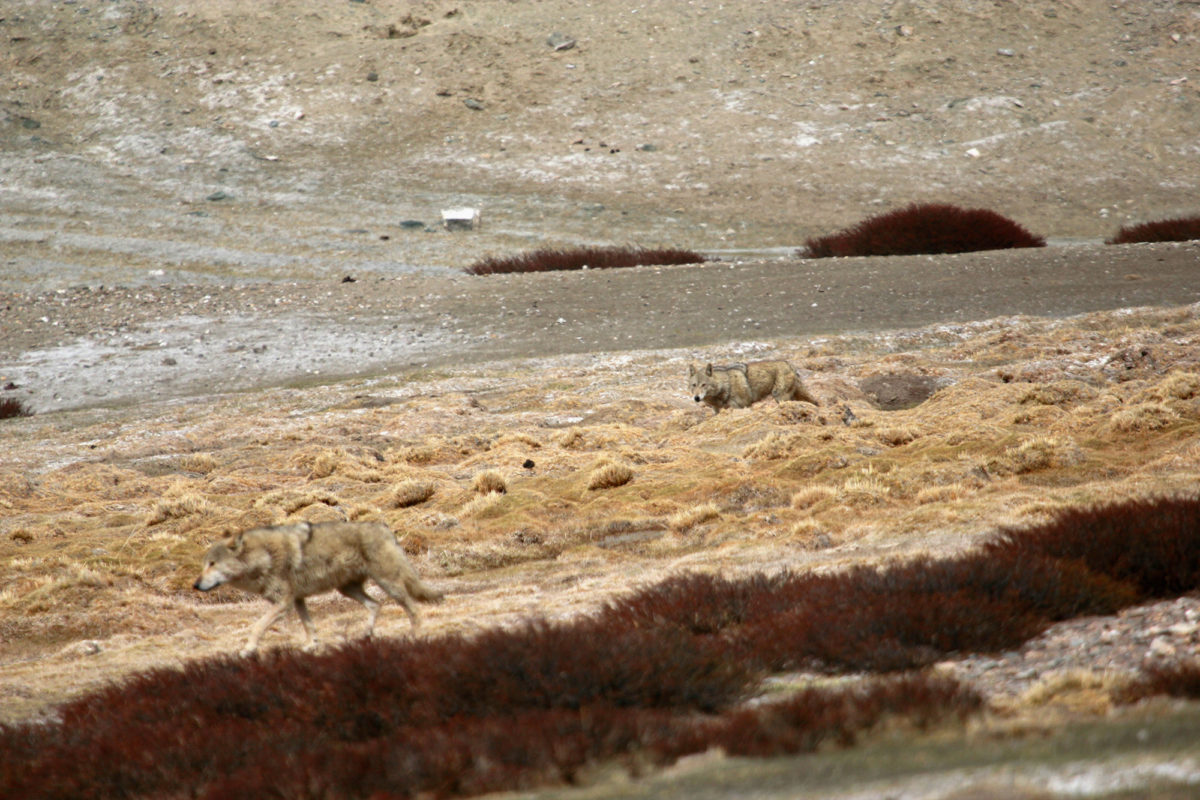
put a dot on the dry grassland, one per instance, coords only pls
(547, 486)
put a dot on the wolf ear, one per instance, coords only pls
(708, 369)
(691, 370)
(236, 543)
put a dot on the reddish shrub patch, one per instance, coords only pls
(549, 259)
(1175, 679)
(1152, 545)
(11, 407)
(924, 228)
(1181, 229)
(653, 674)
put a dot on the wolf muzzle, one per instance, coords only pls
(205, 586)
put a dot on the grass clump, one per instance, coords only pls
(551, 259)
(609, 475)
(1179, 229)
(410, 492)
(490, 481)
(691, 517)
(924, 229)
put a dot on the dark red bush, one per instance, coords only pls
(924, 228)
(549, 259)
(1173, 679)
(1151, 544)
(1181, 229)
(12, 407)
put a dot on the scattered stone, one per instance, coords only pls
(528, 464)
(1006, 52)
(219, 195)
(473, 104)
(1161, 647)
(647, 148)
(87, 647)
(411, 224)
(372, 76)
(349, 279)
(560, 42)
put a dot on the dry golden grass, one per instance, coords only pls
(106, 549)
(489, 481)
(810, 496)
(1071, 692)
(1143, 418)
(691, 517)
(609, 475)
(410, 492)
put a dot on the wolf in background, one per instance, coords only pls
(287, 563)
(740, 385)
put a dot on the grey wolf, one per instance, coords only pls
(740, 385)
(287, 563)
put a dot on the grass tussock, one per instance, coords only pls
(924, 228)
(1178, 229)
(202, 463)
(550, 259)
(178, 505)
(1033, 455)
(289, 502)
(658, 673)
(1143, 418)
(410, 492)
(609, 475)
(689, 518)
(481, 504)
(489, 481)
(811, 496)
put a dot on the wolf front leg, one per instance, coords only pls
(264, 622)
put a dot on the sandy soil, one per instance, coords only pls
(182, 197)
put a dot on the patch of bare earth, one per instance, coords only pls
(106, 512)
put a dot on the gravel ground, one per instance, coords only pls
(81, 346)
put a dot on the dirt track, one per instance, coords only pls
(87, 347)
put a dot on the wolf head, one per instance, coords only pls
(701, 382)
(221, 565)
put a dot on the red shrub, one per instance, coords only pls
(12, 407)
(584, 258)
(1152, 544)
(1175, 679)
(1181, 229)
(924, 229)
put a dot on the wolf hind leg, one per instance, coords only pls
(356, 591)
(394, 586)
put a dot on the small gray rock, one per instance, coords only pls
(560, 41)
